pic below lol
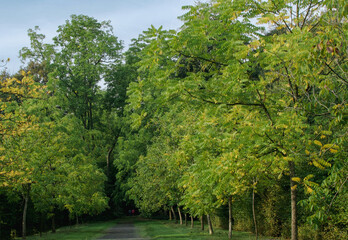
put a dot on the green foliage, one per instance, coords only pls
(257, 107)
(193, 118)
(87, 51)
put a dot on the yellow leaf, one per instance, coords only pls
(296, 179)
(309, 190)
(318, 143)
(333, 150)
(328, 146)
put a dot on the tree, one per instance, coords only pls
(87, 51)
(281, 94)
(39, 57)
(15, 123)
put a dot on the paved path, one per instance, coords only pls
(122, 231)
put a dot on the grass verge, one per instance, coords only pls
(149, 229)
(81, 232)
(158, 229)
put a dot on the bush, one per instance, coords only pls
(332, 232)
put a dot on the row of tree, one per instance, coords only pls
(222, 119)
(232, 114)
(57, 127)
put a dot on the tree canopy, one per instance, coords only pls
(240, 116)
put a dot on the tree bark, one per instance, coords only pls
(294, 231)
(186, 219)
(170, 215)
(54, 223)
(210, 225)
(192, 222)
(41, 223)
(108, 156)
(254, 214)
(202, 223)
(180, 216)
(26, 189)
(174, 215)
(230, 218)
(90, 117)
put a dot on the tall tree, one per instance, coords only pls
(86, 51)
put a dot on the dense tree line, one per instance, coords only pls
(224, 121)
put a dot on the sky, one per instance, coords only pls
(129, 18)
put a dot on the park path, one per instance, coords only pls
(122, 231)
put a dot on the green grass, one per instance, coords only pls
(168, 230)
(81, 232)
(150, 229)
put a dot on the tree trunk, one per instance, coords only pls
(54, 223)
(77, 220)
(26, 189)
(90, 117)
(186, 219)
(210, 225)
(230, 218)
(294, 231)
(170, 215)
(254, 214)
(174, 215)
(202, 222)
(192, 222)
(108, 156)
(41, 224)
(180, 216)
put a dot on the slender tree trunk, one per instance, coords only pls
(192, 222)
(186, 219)
(77, 220)
(230, 218)
(210, 225)
(180, 216)
(108, 156)
(41, 224)
(294, 231)
(174, 215)
(202, 222)
(254, 214)
(54, 223)
(170, 215)
(26, 189)
(90, 117)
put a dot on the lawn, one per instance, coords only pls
(149, 229)
(81, 232)
(156, 229)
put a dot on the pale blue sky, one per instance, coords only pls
(128, 18)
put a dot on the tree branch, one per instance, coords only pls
(201, 58)
(307, 14)
(336, 195)
(344, 80)
(222, 103)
